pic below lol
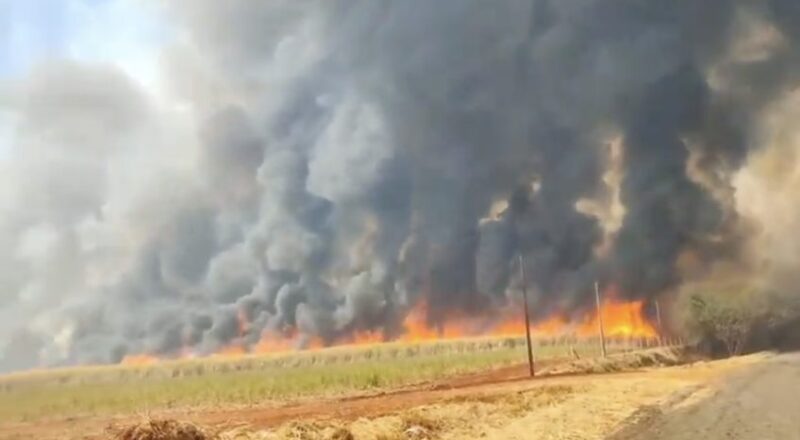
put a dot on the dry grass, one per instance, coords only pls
(426, 422)
(564, 409)
(451, 419)
(162, 430)
(249, 380)
(254, 380)
(660, 357)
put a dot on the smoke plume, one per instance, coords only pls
(323, 166)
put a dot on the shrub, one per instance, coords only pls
(736, 320)
(721, 321)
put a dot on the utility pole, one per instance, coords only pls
(525, 93)
(600, 319)
(527, 318)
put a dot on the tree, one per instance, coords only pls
(727, 319)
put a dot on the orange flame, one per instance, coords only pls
(233, 350)
(276, 342)
(620, 319)
(139, 359)
(242, 322)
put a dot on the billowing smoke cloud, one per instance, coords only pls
(326, 165)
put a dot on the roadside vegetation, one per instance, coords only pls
(735, 320)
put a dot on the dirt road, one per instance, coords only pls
(759, 402)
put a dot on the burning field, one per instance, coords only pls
(273, 375)
(621, 321)
(297, 175)
(235, 204)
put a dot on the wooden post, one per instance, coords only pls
(658, 320)
(600, 319)
(527, 318)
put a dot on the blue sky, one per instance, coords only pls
(30, 31)
(126, 33)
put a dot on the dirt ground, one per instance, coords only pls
(743, 398)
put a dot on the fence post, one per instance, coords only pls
(658, 320)
(600, 319)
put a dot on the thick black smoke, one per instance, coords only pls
(342, 160)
